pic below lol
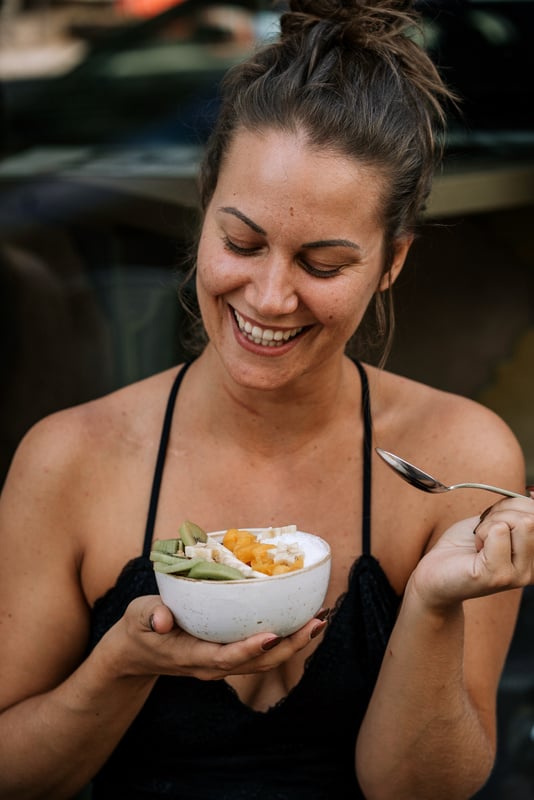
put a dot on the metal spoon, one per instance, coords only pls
(422, 480)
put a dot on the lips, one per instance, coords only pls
(268, 337)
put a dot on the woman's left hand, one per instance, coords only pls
(480, 555)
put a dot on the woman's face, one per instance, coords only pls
(290, 255)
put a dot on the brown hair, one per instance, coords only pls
(354, 77)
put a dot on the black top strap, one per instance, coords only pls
(162, 451)
(367, 443)
(160, 461)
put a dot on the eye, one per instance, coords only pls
(322, 271)
(239, 249)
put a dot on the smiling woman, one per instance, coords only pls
(314, 179)
(286, 258)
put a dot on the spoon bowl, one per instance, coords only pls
(427, 483)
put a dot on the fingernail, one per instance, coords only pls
(317, 630)
(323, 614)
(482, 517)
(151, 622)
(485, 513)
(270, 643)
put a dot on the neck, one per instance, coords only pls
(266, 420)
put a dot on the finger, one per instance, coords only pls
(477, 522)
(265, 651)
(303, 636)
(297, 641)
(497, 545)
(508, 541)
(151, 615)
(161, 620)
(483, 516)
(522, 535)
(519, 516)
(487, 511)
(507, 505)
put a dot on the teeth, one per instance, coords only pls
(264, 336)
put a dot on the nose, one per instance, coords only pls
(271, 289)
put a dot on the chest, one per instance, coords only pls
(218, 486)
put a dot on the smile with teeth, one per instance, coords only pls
(264, 336)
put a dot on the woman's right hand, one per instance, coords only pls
(147, 641)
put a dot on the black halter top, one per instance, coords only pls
(196, 740)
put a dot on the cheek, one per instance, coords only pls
(213, 271)
(218, 271)
(345, 308)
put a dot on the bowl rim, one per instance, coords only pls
(235, 581)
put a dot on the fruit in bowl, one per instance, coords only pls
(226, 585)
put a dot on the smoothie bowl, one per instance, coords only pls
(226, 585)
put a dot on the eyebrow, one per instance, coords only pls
(309, 245)
(333, 243)
(235, 211)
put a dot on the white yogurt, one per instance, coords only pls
(294, 545)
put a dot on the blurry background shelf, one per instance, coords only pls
(169, 174)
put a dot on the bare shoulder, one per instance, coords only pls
(446, 432)
(89, 430)
(74, 455)
(71, 474)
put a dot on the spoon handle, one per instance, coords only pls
(505, 492)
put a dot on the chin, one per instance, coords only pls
(263, 374)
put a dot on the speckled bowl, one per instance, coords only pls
(228, 611)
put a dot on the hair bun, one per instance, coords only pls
(366, 24)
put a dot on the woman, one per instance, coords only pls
(312, 185)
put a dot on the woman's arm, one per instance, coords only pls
(430, 727)
(61, 715)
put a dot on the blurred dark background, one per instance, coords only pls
(105, 106)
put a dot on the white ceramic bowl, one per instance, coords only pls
(228, 611)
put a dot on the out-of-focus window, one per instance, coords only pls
(117, 72)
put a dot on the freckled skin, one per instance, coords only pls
(277, 190)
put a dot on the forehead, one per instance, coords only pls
(277, 171)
